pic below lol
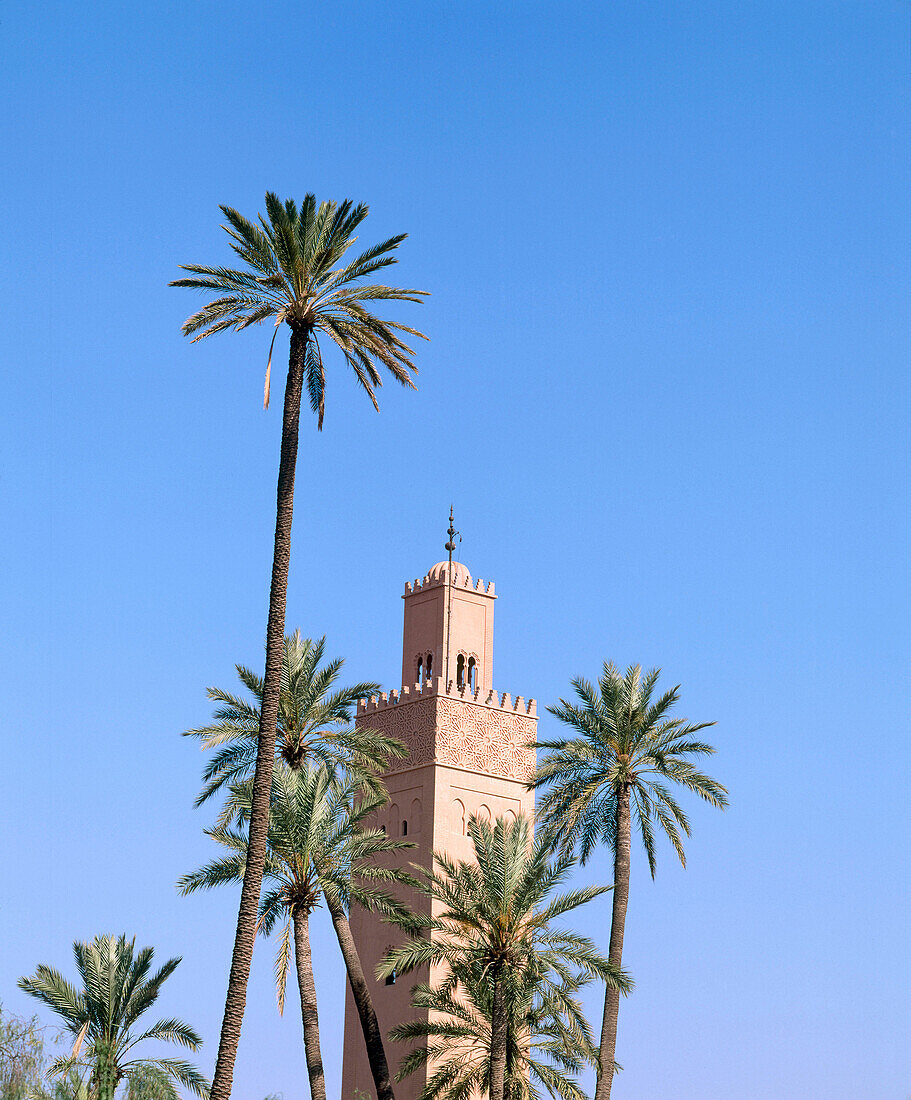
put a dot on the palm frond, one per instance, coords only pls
(622, 741)
(295, 271)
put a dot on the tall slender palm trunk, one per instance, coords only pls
(265, 753)
(309, 1018)
(615, 952)
(373, 1037)
(498, 1027)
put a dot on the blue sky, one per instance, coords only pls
(666, 391)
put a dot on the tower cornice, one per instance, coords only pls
(488, 734)
(435, 686)
(461, 582)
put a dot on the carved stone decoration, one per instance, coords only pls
(485, 739)
(456, 731)
(411, 723)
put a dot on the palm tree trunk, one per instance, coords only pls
(373, 1037)
(265, 751)
(307, 987)
(615, 952)
(105, 1077)
(497, 1041)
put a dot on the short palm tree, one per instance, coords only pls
(117, 988)
(494, 917)
(548, 1040)
(624, 750)
(314, 722)
(317, 848)
(294, 271)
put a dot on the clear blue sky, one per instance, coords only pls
(667, 392)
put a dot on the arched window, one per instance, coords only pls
(484, 813)
(460, 671)
(404, 828)
(458, 816)
(428, 665)
(472, 674)
(420, 675)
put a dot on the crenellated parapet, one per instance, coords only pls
(492, 700)
(482, 732)
(461, 579)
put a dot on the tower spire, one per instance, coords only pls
(451, 531)
(449, 547)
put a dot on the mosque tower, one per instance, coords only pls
(467, 754)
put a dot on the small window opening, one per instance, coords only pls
(429, 666)
(472, 674)
(404, 828)
(390, 978)
(383, 829)
(420, 676)
(460, 671)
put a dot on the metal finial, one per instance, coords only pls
(449, 547)
(451, 531)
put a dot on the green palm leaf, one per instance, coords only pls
(491, 925)
(292, 274)
(314, 723)
(610, 773)
(117, 989)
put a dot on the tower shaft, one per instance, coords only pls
(467, 754)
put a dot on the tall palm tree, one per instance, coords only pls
(495, 916)
(293, 271)
(614, 769)
(314, 722)
(317, 846)
(117, 988)
(548, 1040)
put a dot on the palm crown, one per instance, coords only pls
(294, 273)
(117, 988)
(314, 719)
(494, 921)
(317, 844)
(548, 1040)
(626, 742)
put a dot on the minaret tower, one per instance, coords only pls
(467, 754)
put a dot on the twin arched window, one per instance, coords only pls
(424, 669)
(466, 673)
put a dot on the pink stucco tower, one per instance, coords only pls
(467, 753)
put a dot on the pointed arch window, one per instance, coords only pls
(472, 674)
(460, 671)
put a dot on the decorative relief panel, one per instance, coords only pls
(412, 724)
(485, 739)
(469, 735)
